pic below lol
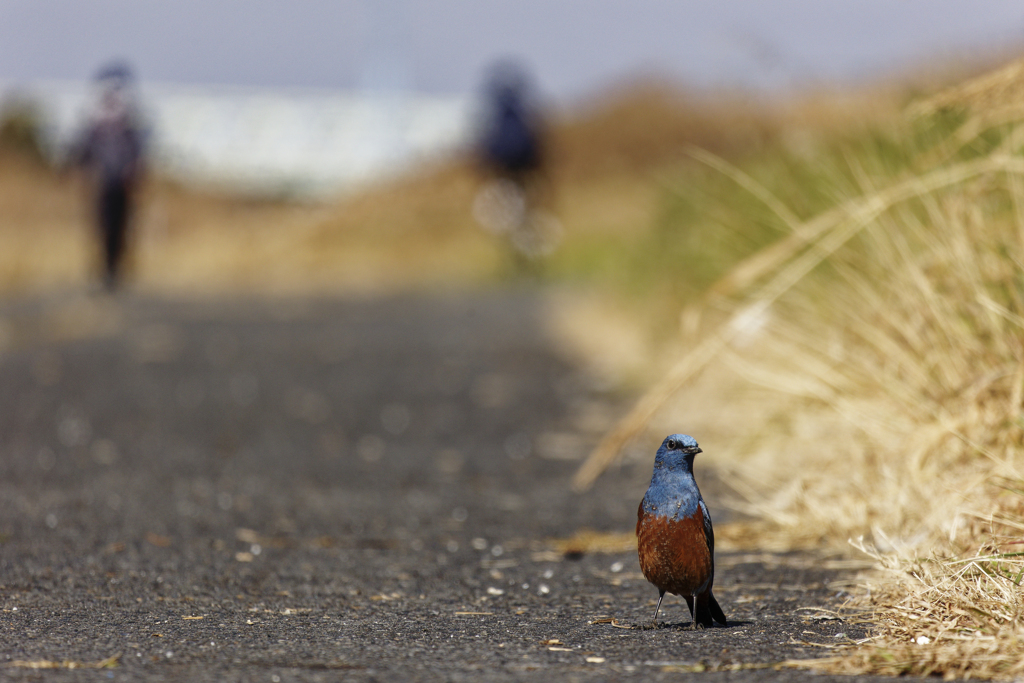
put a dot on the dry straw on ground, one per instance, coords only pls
(890, 332)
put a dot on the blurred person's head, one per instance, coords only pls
(116, 75)
(114, 99)
(508, 83)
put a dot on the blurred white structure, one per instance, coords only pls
(297, 142)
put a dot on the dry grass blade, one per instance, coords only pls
(635, 422)
(749, 184)
(108, 663)
(589, 541)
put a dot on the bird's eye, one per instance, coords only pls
(671, 444)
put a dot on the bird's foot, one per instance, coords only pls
(648, 626)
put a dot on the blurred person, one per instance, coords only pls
(110, 149)
(511, 154)
(511, 140)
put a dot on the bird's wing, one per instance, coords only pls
(709, 532)
(639, 517)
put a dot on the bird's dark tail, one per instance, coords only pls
(706, 609)
(716, 612)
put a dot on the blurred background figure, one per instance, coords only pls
(110, 149)
(511, 152)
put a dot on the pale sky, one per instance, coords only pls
(574, 47)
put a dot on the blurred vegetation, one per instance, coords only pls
(707, 219)
(21, 128)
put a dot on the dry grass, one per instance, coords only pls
(887, 334)
(958, 617)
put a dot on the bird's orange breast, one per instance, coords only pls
(674, 554)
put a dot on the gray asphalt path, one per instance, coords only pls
(340, 490)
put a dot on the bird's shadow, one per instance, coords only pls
(685, 625)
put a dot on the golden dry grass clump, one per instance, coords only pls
(885, 332)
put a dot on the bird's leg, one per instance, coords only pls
(693, 617)
(657, 609)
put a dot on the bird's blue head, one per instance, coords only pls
(677, 452)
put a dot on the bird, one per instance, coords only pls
(675, 539)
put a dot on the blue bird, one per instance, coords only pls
(675, 540)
